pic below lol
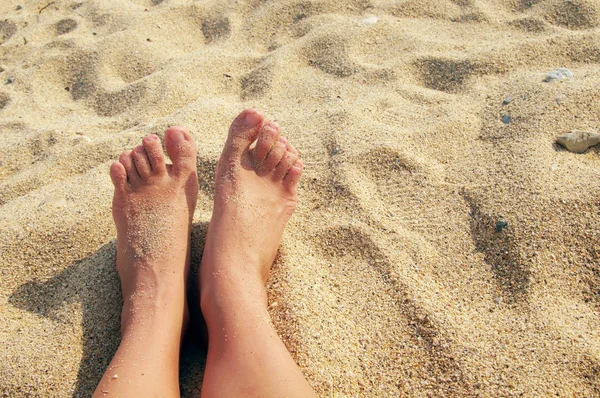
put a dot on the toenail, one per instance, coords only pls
(177, 137)
(252, 118)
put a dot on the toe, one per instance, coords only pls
(142, 164)
(290, 181)
(284, 165)
(267, 137)
(290, 147)
(273, 158)
(155, 154)
(126, 160)
(118, 175)
(243, 131)
(181, 149)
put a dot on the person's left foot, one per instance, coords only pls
(153, 207)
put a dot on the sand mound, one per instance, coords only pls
(444, 244)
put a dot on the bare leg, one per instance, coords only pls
(255, 197)
(152, 207)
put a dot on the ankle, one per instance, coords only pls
(223, 294)
(149, 309)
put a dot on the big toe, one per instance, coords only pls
(181, 149)
(243, 131)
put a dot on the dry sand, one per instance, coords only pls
(393, 279)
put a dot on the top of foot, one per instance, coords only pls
(255, 195)
(154, 202)
(152, 206)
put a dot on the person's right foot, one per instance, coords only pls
(255, 196)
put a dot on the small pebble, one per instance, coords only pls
(335, 151)
(560, 98)
(579, 141)
(115, 376)
(274, 304)
(370, 20)
(19, 7)
(10, 80)
(507, 100)
(559, 74)
(94, 33)
(82, 140)
(506, 119)
(500, 225)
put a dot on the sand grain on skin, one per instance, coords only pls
(148, 235)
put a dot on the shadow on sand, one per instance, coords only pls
(93, 282)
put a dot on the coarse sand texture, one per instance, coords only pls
(445, 245)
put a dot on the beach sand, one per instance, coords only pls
(444, 245)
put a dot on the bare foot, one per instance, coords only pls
(152, 208)
(255, 196)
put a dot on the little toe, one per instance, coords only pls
(267, 137)
(155, 153)
(142, 164)
(290, 181)
(118, 175)
(181, 149)
(273, 158)
(243, 131)
(126, 160)
(284, 165)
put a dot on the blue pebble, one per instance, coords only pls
(500, 225)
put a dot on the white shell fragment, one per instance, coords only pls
(579, 141)
(559, 74)
(370, 20)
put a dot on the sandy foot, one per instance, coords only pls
(152, 208)
(255, 197)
